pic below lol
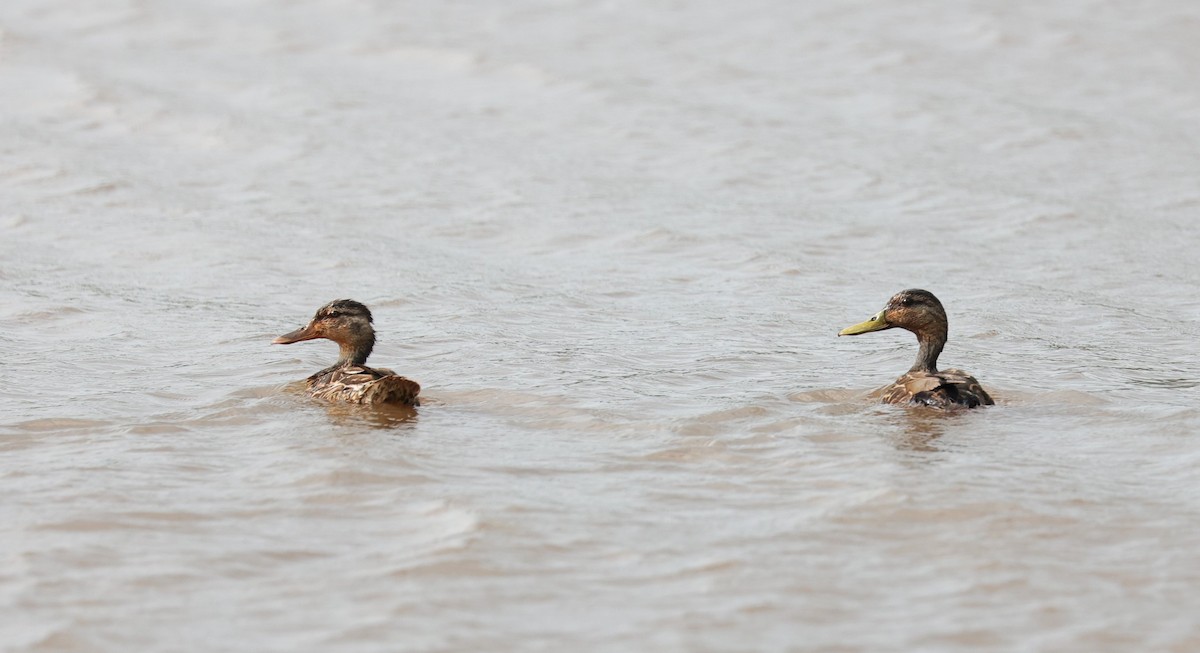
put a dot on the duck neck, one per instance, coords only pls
(357, 351)
(931, 342)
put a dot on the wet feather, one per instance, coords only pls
(364, 385)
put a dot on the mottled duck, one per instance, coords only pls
(348, 323)
(920, 312)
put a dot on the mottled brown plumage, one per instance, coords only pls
(359, 384)
(941, 389)
(920, 312)
(348, 323)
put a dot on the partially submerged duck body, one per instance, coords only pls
(359, 384)
(920, 312)
(940, 389)
(348, 323)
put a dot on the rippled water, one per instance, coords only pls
(613, 241)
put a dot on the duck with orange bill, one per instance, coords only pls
(349, 324)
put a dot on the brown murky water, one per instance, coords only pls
(614, 242)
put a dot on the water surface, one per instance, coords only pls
(614, 242)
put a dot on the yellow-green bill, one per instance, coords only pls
(876, 323)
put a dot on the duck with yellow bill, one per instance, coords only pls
(921, 313)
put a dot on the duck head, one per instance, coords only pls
(344, 321)
(913, 310)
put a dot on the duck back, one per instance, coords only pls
(360, 384)
(944, 389)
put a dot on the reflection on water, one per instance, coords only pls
(383, 416)
(919, 428)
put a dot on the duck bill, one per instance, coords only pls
(303, 333)
(876, 323)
